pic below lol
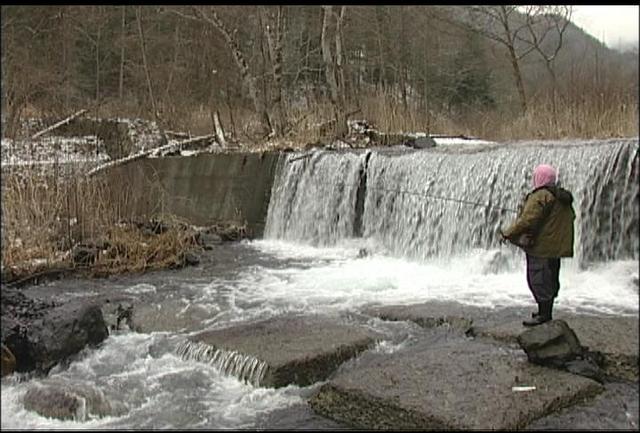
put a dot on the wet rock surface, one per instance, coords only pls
(171, 315)
(614, 338)
(611, 340)
(549, 343)
(41, 334)
(64, 402)
(457, 383)
(296, 349)
(614, 409)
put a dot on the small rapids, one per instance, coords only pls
(244, 367)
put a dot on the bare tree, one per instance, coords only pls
(209, 15)
(336, 93)
(123, 30)
(503, 24)
(273, 28)
(143, 48)
(546, 26)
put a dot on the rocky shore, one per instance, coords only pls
(463, 368)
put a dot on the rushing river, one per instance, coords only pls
(311, 261)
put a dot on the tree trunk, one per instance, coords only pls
(339, 61)
(97, 96)
(329, 68)
(174, 63)
(248, 79)
(122, 38)
(145, 64)
(515, 64)
(517, 76)
(65, 61)
(273, 34)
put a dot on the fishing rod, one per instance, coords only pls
(457, 200)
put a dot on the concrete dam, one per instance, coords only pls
(418, 203)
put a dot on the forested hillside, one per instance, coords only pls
(498, 72)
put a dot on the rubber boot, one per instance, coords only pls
(544, 314)
(546, 310)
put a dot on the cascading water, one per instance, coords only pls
(420, 204)
(314, 198)
(244, 367)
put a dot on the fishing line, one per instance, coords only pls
(400, 191)
(457, 200)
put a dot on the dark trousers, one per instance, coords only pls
(543, 277)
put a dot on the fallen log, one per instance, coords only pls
(177, 134)
(194, 140)
(59, 124)
(219, 130)
(145, 153)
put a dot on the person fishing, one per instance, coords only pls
(544, 230)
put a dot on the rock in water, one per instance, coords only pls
(8, 361)
(40, 334)
(70, 402)
(552, 343)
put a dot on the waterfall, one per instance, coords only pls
(314, 198)
(244, 367)
(444, 201)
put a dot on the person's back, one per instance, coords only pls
(554, 235)
(544, 230)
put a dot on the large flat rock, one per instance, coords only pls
(616, 338)
(455, 384)
(432, 314)
(283, 350)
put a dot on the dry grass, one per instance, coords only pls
(45, 215)
(129, 249)
(599, 115)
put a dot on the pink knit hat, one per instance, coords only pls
(544, 175)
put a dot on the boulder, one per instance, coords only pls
(65, 331)
(70, 402)
(552, 343)
(52, 404)
(40, 334)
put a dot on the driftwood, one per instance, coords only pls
(59, 124)
(327, 126)
(383, 139)
(306, 155)
(190, 141)
(144, 153)
(219, 130)
(177, 134)
(124, 160)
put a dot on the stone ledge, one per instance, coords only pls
(616, 338)
(280, 351)
(462, 384)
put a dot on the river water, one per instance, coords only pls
(312, 261)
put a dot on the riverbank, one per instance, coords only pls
(403, 344)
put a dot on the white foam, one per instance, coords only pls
(347, 282)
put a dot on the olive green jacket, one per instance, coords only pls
(547, 218)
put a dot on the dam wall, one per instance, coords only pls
(202, 189)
